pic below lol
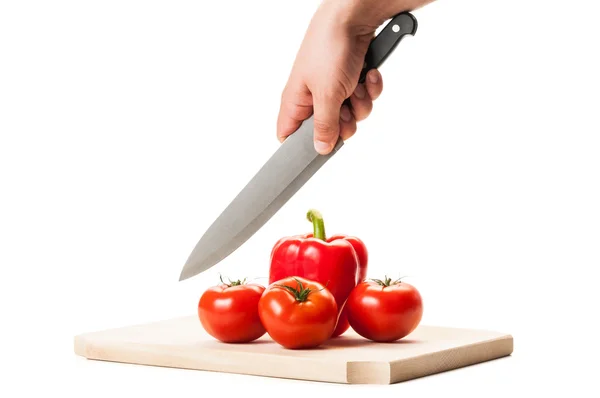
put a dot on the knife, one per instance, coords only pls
(288, 169)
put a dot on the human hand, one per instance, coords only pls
(327, 69)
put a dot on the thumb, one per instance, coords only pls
(326, 123)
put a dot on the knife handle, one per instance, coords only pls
(385, 42)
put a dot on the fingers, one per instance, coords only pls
(361, 103)
(295, 107)
(347, 123)
(374, 83)
(331, 119)
(364, 95)
(327, 115)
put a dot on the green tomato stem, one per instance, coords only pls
(315, 217)
(387, 281)
(300, 293)
(232, 283)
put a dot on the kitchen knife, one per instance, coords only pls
(288, 169)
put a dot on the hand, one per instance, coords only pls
(327, 69)
(325, 73)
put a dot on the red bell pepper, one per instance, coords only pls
(361, 252)
(363, 258)
(333, 262)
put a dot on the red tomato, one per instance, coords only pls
(298, 313)
(229, 312)
(384, 311)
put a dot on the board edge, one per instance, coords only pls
(451, 359)
(79, 346)
(144, 355)
(368, 372)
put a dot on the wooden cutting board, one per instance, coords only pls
(183, 343)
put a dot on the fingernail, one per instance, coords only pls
(345, 114)
(373, 77)
(322, 147)
(360, 91)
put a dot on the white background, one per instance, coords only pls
(127, 126)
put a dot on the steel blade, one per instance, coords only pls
(288, 169)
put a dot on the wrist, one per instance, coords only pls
(358, 17)
(365, 16)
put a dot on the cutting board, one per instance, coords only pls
(349, 359)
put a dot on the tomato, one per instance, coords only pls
(229, 312)
(298, 313)
(384, 311)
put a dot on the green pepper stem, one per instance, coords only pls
(315, 217)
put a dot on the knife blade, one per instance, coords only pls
(288, 170)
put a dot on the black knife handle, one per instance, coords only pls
(386, 41)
